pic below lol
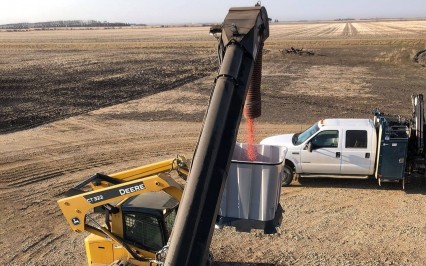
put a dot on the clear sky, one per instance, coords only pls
(192, 11)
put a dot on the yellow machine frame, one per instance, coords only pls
(106, 245)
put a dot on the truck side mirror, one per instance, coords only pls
(309, 146)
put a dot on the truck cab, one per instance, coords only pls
(330, 148)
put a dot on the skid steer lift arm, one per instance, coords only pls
(109, 194)
(119, 186)
(75, 208)
(99, 181)
(241, 39)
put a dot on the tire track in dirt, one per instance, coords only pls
(30, 174)
(350, 30)
(41, 168)
(311, 30)
(354, 31)
(328, 31)
(49, 170)
(25, 214)
(27, 177)
(346, 30)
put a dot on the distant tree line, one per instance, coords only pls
(344, 19)
(63, 24)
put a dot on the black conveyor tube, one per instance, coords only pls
(191, 237)
(244, 30)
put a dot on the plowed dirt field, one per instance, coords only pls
(77, 102)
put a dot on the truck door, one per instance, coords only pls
(324, 154)
(356, 153)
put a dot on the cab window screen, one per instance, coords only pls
(169, 221)
(143, 230)
(356, 139)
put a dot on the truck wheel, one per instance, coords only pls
(287, 175)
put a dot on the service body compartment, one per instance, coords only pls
(392, 155)
(252, 190)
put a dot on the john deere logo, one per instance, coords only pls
(75, 221)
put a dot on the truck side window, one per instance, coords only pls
(356, 139)
(326, 139)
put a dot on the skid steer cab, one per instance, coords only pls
(130, 214)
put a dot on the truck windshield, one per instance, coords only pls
(299, 138)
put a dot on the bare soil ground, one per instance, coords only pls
(47, 76)
(124, 98)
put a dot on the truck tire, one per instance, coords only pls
(287, 175)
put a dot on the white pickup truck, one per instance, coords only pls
(330, 147)
(386, 147)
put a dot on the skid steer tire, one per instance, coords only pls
(121, 263)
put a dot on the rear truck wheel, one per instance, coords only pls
(287, 175)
